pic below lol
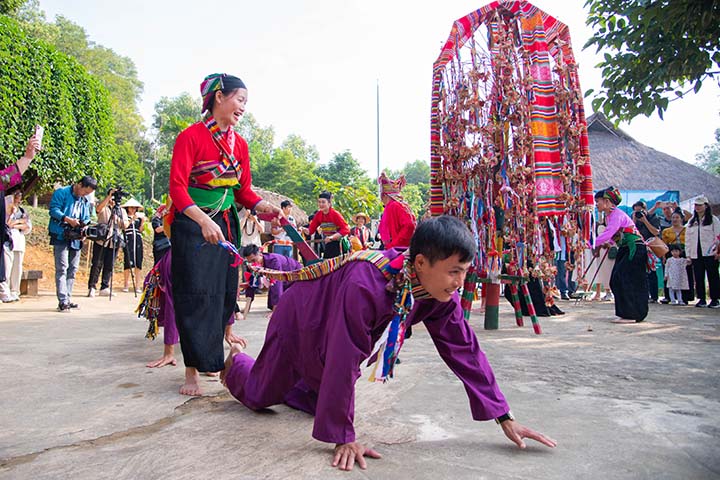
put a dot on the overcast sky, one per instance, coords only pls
(311, 67)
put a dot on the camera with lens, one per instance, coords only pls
(98, 231)
(118, 194)
(639, 215)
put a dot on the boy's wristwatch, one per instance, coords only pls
(502, 418)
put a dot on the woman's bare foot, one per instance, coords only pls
(211, 374)
(622, 320)
(191, 386)
(235, 348)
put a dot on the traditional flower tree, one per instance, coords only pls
(509, 146)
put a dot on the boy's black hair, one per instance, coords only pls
(285, 203)
(248, 250)
(441, 237)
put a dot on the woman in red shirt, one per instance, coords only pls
(210, 171)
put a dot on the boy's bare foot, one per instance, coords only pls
(191, 386)
(211, 374)
(235, 348)
(164, 360)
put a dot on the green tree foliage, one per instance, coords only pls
(117, 73)
(655, 51)
(10, 7)
(172, 116)
(344, 169)
(709, 159)
(289, 175)
(349, 200)
(39, 85)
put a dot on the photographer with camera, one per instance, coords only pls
(69, 213)
(114, 221)
(648, 226)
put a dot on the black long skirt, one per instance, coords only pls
(628, 283)
(204, 289)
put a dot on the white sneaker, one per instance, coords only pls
(125, 289)
(138, 291)
(105, 292)
(91, 293)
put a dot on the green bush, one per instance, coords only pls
(39, 85)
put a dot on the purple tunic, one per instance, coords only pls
(274, 261)
(322, 330)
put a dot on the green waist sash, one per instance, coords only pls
(219, 199)
(628, 240)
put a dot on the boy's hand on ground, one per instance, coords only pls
(231, 338)
(347, 453)
(516, 432)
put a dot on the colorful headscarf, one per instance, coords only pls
(392, 187)
(217, 81)
(612, 194)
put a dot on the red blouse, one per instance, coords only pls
(329, 223)
(195, 145)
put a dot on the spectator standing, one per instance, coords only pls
(675, 236)
(397, 223)
(133, 252)
(648, 226)
(104, 252)
(250, 229)
(69, 211)
(19, 225)
(161, 243)
(9, 177)
(676, 277)
(283, 245)
(701, 245)
(361, 231)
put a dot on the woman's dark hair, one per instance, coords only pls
(230, 85)
(439, 238)
(707, 217)
(326, 195)
(251, 249)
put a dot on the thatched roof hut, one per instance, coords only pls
(275, 198)
(620, 160)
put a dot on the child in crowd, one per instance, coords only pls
(676, 274)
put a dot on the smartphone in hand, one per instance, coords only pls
(39, 131)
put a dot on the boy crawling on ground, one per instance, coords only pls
(323, 329)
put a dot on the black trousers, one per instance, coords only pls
(204, 287)
(102, 262)
(332, 249)
(701, 267)
(628, 283)
(653, 284)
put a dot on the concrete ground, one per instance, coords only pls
(623, 401)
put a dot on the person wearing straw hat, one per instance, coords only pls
(397, 223)
(361, 231)
(209, 174)
(133, 251)
(628, 280)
